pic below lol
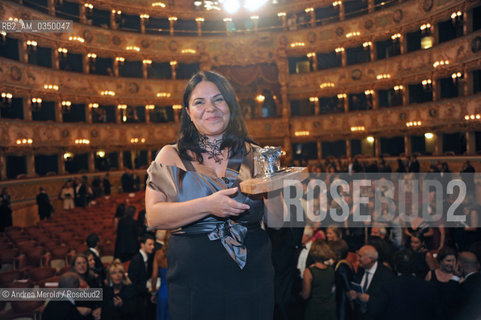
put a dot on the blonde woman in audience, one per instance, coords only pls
(333, 233)
(120, 300)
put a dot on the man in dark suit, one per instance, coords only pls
(65, 309)
(45, 208)
(470, 287)
(93, 247)
(406, 296)
(371, 276)
(140, 270)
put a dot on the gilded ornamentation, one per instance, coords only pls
(15, 73)
(173, 46)
(88, 36)
(116, 40)
(311, 37)
(356, 74)
(397, 16)
(427, 5)
(133, 87)
(368, 24)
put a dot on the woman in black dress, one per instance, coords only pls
(220, 258)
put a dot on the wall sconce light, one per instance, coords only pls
(78, 39)
(66, 106)
(36, 104)
(93, 105)
(149, 107)
(302, 133)
(456, 76)
(358, 129)
(260, 98)
(342, 96)
(353, 34)
(297, 44)
(413, 124)
(440, 63)
(24, 141)
(7, 97)
(177, 106)
(339, 49)
(398, 88)
(313, 99)
(469, 117)
(327, 85)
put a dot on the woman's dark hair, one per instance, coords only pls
(444, 252)
(120, 212)
(235, 134)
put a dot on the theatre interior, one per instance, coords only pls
(365, 86)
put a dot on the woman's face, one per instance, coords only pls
(415, 244)
(448, 263)
(331, 235)
(91, 261)
(116, 276)
(208, 110)
(80, 265)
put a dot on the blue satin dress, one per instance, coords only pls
(162, 312)
(218, 268)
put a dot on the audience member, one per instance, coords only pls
(333, 233)
(45, 208)
(159, 270)
(67, 195)
(343, 277)
(120, 300)
(64, 309)
(93, 248)
(470, 306)
(106, 184)
(79, 265)
(127, 181)
(318, 283)
(406, 296)
(5, 210)
(370, 276)
(140, 270)
(126, 243)
(446, 281)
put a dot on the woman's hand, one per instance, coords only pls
(222, 205)
(118, 302)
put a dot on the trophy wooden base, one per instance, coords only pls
(275, 182)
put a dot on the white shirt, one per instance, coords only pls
(95, 251)
(301, 262)
(144, 255)
(371, 275)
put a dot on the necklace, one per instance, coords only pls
(212, 148)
